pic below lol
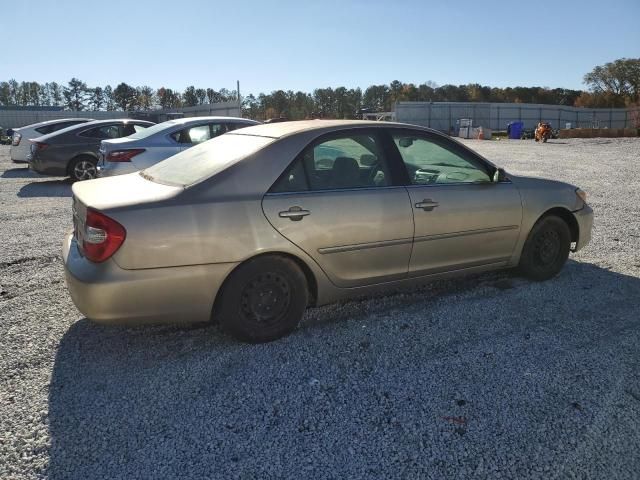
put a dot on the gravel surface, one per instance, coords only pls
(488, 377)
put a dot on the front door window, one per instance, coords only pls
(427, 162)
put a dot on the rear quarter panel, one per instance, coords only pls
(174, 235)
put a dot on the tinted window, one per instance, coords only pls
(193, 135)
(159, 127)
(60, 126)
(45, 129)
(217, 129)
(354, 161)
(428, 162)
(131, 128)
(54, 127)
(235, 126)
(106, 131)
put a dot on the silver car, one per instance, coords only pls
(152, 145)
(252, 227)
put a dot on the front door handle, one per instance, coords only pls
(427, 204)
(294, 214)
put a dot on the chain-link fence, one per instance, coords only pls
(445, 115)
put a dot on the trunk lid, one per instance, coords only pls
(122, 191)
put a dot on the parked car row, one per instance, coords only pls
(20, 142)
(85, 149)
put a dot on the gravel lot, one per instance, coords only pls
(488, 377)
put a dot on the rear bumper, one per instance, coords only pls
(19, 154)
(111, 169)
(584, 217)
(106, 293)
(46, 167)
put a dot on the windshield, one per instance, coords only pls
(205, 160)
(147, 132)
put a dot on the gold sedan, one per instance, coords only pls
(250, 228)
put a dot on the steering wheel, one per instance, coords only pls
(425, 177)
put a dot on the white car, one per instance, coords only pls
(152, 145)
(20, 145)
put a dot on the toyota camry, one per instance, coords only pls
(254, 226)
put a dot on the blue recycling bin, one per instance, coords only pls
(515, 129)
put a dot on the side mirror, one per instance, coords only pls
(499, 175)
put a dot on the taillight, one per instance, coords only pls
(35, 146)
(102, 237)
(15, 141)
(124, 155)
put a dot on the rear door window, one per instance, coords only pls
(131, 128)
(345, 162)
(193, 135)
(57, 126)
(103, 132)
(235, 126)
(217, 129)
(45, 129)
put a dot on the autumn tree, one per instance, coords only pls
(616, 83)
(125, 97)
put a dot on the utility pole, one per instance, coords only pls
(239, 100)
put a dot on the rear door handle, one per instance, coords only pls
(294, 214)
(427, 204)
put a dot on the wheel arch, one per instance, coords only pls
(566, 215)
(78, 157)
(312, 283)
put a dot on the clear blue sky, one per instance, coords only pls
(301, 45)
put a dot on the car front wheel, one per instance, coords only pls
(546, 249)
(263, 299)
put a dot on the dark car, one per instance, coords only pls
(73, 151)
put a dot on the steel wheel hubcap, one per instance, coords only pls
(266, 298)
(84, 170)
(547, 247)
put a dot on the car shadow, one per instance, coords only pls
(48, 188)
(21, 172)
(173, 402)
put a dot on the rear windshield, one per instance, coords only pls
(147, 132)
(204, 160)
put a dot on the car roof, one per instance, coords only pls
(187, 120)
(112, 120)
(56, 120)
(89, 125)
(283, 129)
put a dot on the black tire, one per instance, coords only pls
(83, 168)
(263, 299)
(546, 249)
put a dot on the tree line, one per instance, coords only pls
(615, 84)
(76, 95)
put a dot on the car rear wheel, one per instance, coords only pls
(263, 299)
(546, 249)
(83, 168)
